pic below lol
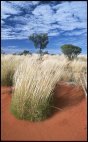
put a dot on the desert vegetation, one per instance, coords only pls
(34, 77)
(43, 71)
(34, 80)
(33, 94)
(8, 67)
(71, 51)
(40, 41)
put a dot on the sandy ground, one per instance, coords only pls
(68, 124)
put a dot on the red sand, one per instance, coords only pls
(66, 125)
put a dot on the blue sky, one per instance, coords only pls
(64, 21)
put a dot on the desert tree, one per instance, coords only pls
(40, 41)
(71, 51)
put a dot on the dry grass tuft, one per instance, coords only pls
(34, 84)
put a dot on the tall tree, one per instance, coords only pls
(71, 51)
(40, 41)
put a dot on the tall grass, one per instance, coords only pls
(83, 80)
(34, 82)
(8, 67)
(73, 69)
(9, 64)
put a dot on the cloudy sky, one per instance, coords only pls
(64, 21)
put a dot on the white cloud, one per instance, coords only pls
(42, 9)
(76, 33)
(53, 34)
(7, 9)
(2, 22)
(42, 18)
(24, 3)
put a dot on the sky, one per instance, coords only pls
(65, 22)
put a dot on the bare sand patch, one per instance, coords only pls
(70, 124)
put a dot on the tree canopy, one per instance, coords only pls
(71, 51)
(40, 40)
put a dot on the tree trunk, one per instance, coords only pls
(40, 52)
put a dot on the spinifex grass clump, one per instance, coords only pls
(7, 70)
(9, 64)
(34, 82)
(73, 69)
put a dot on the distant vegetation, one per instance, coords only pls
(25, 52)
(40, 41)
(43, 52)
(71, 51)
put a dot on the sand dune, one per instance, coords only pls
(69, 124)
